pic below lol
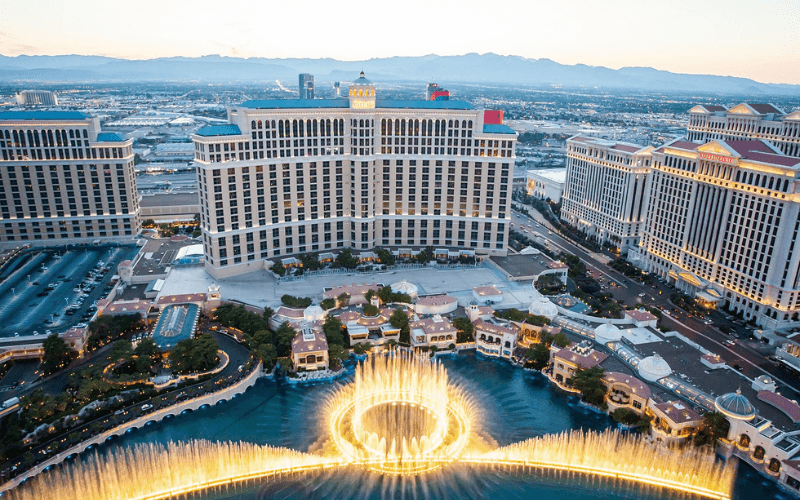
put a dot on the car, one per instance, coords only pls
(642, 294)
(147, 406)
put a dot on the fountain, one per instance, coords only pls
(400, 417)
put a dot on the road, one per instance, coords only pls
(750, 355)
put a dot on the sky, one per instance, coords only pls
(758, 39)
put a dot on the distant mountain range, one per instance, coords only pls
(469, 68)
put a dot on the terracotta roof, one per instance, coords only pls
(745, 146)
(485, 326)
(591, 360)
(182, 299)
(352, 289)
(623, 147)
(786, 406)
(74, 333)
(637, 386)
(128, 306)
(714, 360)
(484, 291)
(765, 108)
(300, 345)
(349, 316)
(678, 412)
(714, 107)
(432, 325)
(289, 312)
(638, 315)
(688, 146)
(436, 300)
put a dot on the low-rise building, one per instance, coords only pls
(309, 350)
(494, 339)
(434, 331)
(626, 391)
(673, 421)
(547, 183)
(568, 360)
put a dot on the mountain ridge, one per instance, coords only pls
(467, 68)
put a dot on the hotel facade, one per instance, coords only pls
(746, 121)
(64, 181)
(289, 177)
(722, 224)
(604, 190)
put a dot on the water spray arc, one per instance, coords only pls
(400, 416)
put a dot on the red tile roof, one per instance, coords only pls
(637, 386)
(436, 300)
(786, 406)
(765, 108)
(713, 107)
(629, 149)
(289, 312)
(591, 360)
(678, 412)
(181, 299)
(688, 146)
(638, 315)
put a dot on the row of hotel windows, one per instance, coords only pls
(37, 230)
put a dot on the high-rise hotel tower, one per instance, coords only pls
(63, 181)
(289, 177)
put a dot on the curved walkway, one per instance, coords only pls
(156, 416)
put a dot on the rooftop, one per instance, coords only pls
(219, 130)
(308, 341)
(436, 300)
(345, 103)
(678, 412)
(493, 128)
(42, 115)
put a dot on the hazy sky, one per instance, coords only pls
(759, 39)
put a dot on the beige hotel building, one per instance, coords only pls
(287, 177)
(64, 181)
(604, 189)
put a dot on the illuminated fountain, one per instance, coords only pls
(401, 416)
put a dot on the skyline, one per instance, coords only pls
(616, 36)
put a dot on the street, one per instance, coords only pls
(750, 355)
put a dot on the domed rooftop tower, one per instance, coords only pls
(607, 333)
(734, 405)
(362, 93)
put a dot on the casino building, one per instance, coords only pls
(287, 177)
(604, 189)
(722, 224)
(746, 121)
(64, 181)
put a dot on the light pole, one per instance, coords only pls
(14, 291)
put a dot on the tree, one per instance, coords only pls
(715, 426)
(268, 312)
(278, 269)
(589, 382)
(56, 354)
(337, 355)
(283, 339)
(370, 293)
(385, 257)
(537, 357)
(466, 332)
(121, 350)
(267, 354)
(332, 328)
(146, 354)
(298, 302)
(399, 319)
(194, 355)
(328, 304)
(561, 340)
(343, 299)
(370, 310)
(346, 259)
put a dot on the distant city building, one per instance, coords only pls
(746, 121)
(435, 93)
(604, 190)
(722, 224)
(288, 177)
(63, 181)
(37, 98)
(337, 89)
(306, 86)
(546, 183)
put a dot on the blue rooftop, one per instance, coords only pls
(176, 323)
(386, 103)
(296, 103)
(217, 130)
(109, 137)
(497, 129)
(344, 103)
(42, 115)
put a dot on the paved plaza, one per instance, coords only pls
(261, 289)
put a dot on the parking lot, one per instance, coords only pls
(54, 289)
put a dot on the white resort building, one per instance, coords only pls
(289, 176)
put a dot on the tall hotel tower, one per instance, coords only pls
(722, 224)
(63, 181)
(289, 177)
